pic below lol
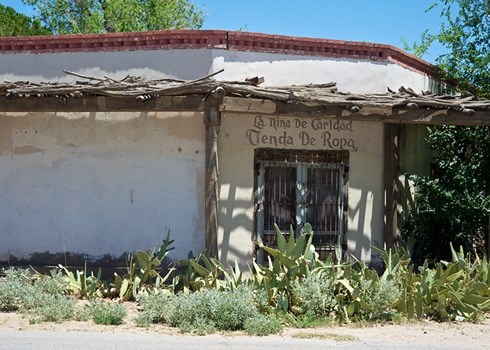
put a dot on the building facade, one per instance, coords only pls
(79, 184)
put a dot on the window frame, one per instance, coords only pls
(302, 160)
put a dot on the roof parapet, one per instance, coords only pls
(215, 39)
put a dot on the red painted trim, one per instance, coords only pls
(214, 39)
(171, 39)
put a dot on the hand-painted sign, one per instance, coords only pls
(301, 132)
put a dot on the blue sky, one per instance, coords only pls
(379, 21)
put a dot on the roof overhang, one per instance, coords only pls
(314, 100)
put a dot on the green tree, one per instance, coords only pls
(465, 33)
(453, 205)
(13, 23)
(103, 16)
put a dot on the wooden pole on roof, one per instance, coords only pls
(212, 119)
(390, 234)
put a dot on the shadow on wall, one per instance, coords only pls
(236, 214)
(233, 212)
(366, 198)
(236, 204)
(362, 242)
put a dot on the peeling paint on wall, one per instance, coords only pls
(100, 184)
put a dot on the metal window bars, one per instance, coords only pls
(294, 192)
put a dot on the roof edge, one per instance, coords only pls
(215, 39)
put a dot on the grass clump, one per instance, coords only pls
(262, 325)
(311, 320)
(108, 313)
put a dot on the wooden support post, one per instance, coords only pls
(212, 119)
(488, 232)
(390, 186)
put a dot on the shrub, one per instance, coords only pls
(316, 294)
(43, 307)
(380, 296)
(19, 275)
(155, 309)
(453, 204)
(233, 309)
(55, 283)
(83, 314)
(41, 298)
(108, 313)
(262, 325)
(201, 326)
(14, 290)
(142, 272)
(225, 310)
(47, 302)
(11, 296)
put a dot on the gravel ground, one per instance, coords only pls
(17, 333)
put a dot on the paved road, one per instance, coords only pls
(41, 340)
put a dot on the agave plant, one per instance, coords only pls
(82, 284)
(142, 271)
(289, 262)
(455, 290)
(206, 272)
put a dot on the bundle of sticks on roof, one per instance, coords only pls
(311, 94)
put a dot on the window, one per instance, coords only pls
(299, 187)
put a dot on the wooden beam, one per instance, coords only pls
(390, 115)
(438, 117)
(105, 104)
(212, 119)
(248, 105)
(390, 187)
(230, 104)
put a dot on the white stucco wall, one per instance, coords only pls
(185, 64)
(361, 76)
(241, 134)
(100, 183)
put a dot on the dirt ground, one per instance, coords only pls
(450, 334)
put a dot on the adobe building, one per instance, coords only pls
(161, 130)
